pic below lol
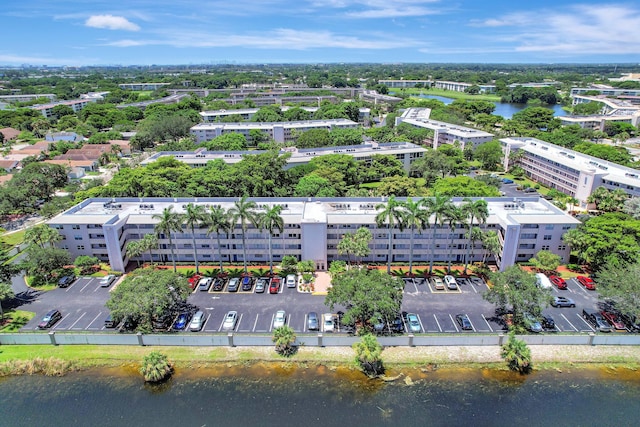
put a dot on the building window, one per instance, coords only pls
(75, 227)
(562, 247)
(77, 237)
(548, 227)
(547, 237)
(545, 247)
(80, 247)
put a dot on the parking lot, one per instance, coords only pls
(83, 307)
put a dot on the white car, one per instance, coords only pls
(450, 281)
(543, 281)
(280, 319)
(327, 322)
(197, 322)
(437, 283)
(291, 280)
(106, 281)
(230, 321)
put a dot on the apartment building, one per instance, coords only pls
(278, 131)
(444, 133)
(402, 84)
(213, 116)
(47, 109)
(569, 171)
(461, 87)
(313, 228)
(142, 86)
(406, 152)
(26, 97)
(604, 90)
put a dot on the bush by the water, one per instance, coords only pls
(156, 367)
(517, 354)
(50, 367)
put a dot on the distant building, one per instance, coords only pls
(401, 84)
(142, 86)
(213, 116)
(47, 109)
(378, 98)
(27, 97)
(461, 87)
(9, 134)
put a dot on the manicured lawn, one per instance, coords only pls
(15, 319)
(9, 240)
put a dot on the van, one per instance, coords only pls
(543, 281)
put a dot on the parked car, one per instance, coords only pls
(558, 281)
(615, 319)
(507, 181)
(312, 321)
(531, 323)
(274, 287)
(66, 280)
(261, 284)
(328, 323)
(631, 323)
(49, 319)
(279, 319)
(218, 284)
(247, 283)
(464, 322)
(596, 320)
(413, 324)
(205, 284)
(194, 280)
(548, 323)
(230, 321)
(291, 280)
(109, 322)
(437, 283)
(543, 281)
(106, 281)
(587, 282)
(530, 190)
(397, 325)
(160, 323)
(450, 281)
(562, 302)
(182, 321)
(197, 322)
(233, 285)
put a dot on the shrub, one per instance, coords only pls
(156, 367)
(284, 337)
(517, 354)
(368, 356)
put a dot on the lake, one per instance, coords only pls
(319, 396)
(503, 109)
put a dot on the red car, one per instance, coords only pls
(614, 319)
(558, 281)
(587, 282)
(274, 287)
(193, 280)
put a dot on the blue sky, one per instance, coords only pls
(100, 32)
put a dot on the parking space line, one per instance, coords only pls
(237, 328)
(288, 320)
(437, 323)
(59, 322)
(72, 285)
(94, 319)
(415, 286)
(571, 324)
(419, 321)
(205, 322)
(585, 322)
(304, 325)
(255, 323)
(85, 286)
(271, 324)
(74, 323)
(487, 322)
(454, 323)
(221, 323)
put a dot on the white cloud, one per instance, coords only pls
(111, 22)
(380, 8)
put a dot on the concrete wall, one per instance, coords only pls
(310, 340)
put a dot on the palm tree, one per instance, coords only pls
(218, 221)
(414, 216)
(271, 220)
(438, 206)
(148, 242)
(517, 354)
(284, 337)
(135, 249)
(476, 235)
(491, 244)
(6, 292)
(453, 216)
(244, 211)
(194, 216)
(169, 221)
(474, 210)
(41, 235)
(390, 213)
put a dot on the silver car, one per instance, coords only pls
(197, 322)
(106, 281)
(280, 319)
(230, 321)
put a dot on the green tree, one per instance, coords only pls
(438, 207)
(464, 186)
(314, 185)
(632, 207)
(489, 155)
(134, 250)
(6, 292)
(194, 217)
(146, 295)
(516, 291)
(606, 200)
(391, 214)
(284, 338)
(41, 263)
(149, 242)
(415, 216)
(491, 245)
(314, 138)
(620, 284)
(355, 243)
(475, 210)
(517, 354)
(41, 235)
(271, 220)
(219, 221)
(168, 222)
(155, 367)
(369, 356)
(369, 295)
(86, 263)
(244, 210)
(453, 217)
(546, 261)
(227, 142)
(288, 264)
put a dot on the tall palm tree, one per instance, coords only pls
(41, 235)
(437, 206)
(491, 244)
(169, 221)
(149, 242)
(474, 210)
(271, 220)
(453, 216)
(415, 217)
(244, 210)
(194, 216)
(390, 213)
(219, 221)
(135, 249)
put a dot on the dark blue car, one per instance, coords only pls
(182, 321)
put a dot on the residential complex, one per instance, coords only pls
(568, 171)
(604, 90)
(406, 152)
(278, 131)
(313, 227)
(444, 133)
(26, 97)
(248, 113)
(142, 86)
(76, 105)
